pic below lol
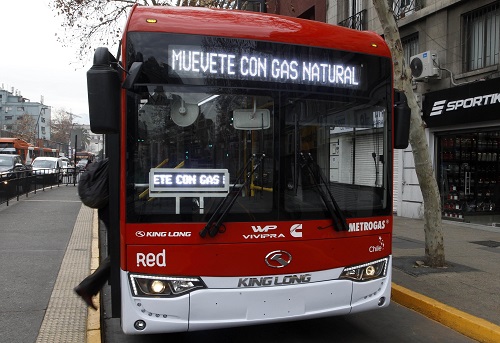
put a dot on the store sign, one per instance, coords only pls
(471, 103)
(193, 62)
(188, 180)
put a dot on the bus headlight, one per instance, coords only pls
(163, 286)
(367, 271)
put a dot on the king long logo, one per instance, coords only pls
(447, 106)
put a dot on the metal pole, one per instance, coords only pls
(74, 158)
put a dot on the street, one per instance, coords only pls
(393, 324)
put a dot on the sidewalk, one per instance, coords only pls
(465, 294)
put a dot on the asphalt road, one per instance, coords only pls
(393, 324)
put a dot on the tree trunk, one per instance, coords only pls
(433, 228)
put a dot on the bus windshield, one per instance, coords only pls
(291, 129)
(307, 142)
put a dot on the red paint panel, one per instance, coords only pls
(251, 25)
(248, 259)
(253, 232)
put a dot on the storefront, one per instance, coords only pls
(465, 124)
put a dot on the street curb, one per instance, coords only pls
(468, 325)
(94, 317)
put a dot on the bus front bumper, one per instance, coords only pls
(214, 308)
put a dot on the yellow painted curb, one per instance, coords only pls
(468, 325)
(94, 317)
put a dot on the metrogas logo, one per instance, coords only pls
(368, 226)
(442, 106)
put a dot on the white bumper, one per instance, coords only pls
(213, 308)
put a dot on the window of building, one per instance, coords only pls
(402, 8)
(43, 129)
(20, 109)
(356, 16)
(252, 5)
(8, 117)
(410, 46)
(42, 119)
(482, 37)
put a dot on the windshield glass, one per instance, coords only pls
(296, 131)
(5, 161)
(183, 131)
(268, 134)
(44, 164)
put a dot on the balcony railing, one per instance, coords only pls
(402, 8)
(356, 22)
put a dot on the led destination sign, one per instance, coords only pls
(192, 62)
(188, 180)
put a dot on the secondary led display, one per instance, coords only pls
(188, 180)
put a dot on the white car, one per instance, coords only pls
(48, 166)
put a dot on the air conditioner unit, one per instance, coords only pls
(424, 65)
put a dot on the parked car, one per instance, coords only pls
(67, 166)
(82, 164)
(48, 166)
(12, 167)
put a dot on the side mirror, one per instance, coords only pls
(103, 87)
(402, 116)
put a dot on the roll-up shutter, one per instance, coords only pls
(395, 180)
(368, 172)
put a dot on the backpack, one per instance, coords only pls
(93, 185)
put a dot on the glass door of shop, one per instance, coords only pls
(469, 176)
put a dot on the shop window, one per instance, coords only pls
(469, 177)
(482, 37)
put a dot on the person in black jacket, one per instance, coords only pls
(93, 191)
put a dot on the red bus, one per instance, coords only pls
(252, 159)
(87, 155)
(16, 146)
(50, 152)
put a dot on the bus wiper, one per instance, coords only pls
(215, 221)
(320, 184)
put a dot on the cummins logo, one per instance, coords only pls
(447, 106)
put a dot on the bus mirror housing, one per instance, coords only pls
(250, 119)
(402, 114)
(103, 87)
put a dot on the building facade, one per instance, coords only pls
(453, 50)
(14, 107)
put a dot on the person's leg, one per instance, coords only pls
(93, 283)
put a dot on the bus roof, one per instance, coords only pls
(18, 141)
(253, 25)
